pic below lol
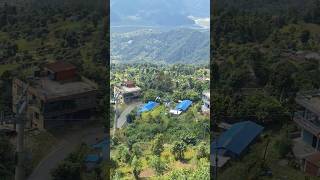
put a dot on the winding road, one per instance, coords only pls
(122, 120)
(63, 149)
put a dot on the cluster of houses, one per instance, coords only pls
(128, 92)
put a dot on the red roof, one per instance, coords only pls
(314, 158)
(60, 66)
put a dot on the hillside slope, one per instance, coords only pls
(175, 46)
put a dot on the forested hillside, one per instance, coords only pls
(174, 46)
(34, 32)
(264, 53)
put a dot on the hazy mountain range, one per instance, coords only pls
(174, 46)
(158, 12)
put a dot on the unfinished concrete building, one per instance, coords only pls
(128, 92)
(56, 96)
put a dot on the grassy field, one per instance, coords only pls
(7, 67)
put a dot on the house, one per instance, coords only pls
(56, 96)
(92, 161)
(307, 117)
(181, 107)
(101, 148)
(233, 142)
(306, 147)
(127, 92)
(148, 107)
(205, 108)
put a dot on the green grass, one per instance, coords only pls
(7, 67)
(25, 45)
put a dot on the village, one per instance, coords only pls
(160, 130)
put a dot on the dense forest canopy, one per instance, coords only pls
(34, 32)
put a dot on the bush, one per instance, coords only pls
(283, 146)
(67, 171)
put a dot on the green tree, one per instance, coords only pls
(136, 167)
(178, 149)
(157, 145)
(123, 153)
(158, 165)
(67, 171)
(203, 151)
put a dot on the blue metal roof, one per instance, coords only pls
(183, 105)
(237, 138)
(92, 158)
(148, 106)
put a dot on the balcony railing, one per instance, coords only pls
(309, 125)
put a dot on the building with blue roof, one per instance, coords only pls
(91, 161)
(92, 158)
(183, 105)
(148, 107)
(234, 141)
(102, 148)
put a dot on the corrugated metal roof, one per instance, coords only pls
(183, 105)
(238, 137)
(148, 106)
(92, 158)
(60, 66)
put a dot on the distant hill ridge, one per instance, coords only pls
(175, 46)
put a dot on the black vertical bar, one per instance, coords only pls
(213, 43)
(106, 35)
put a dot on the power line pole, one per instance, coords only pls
(20, 172)
(21, 106)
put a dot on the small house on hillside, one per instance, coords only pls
(181, 107)
(233, 142)
(91, 161)
(306, 147)
(148, 107)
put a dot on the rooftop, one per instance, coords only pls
(126, 89)
(60, 66)
(310, 100)
(50, 89)
(148, 106)
(314, 158)
(183, 105)
(237, 138)
(92, 158)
